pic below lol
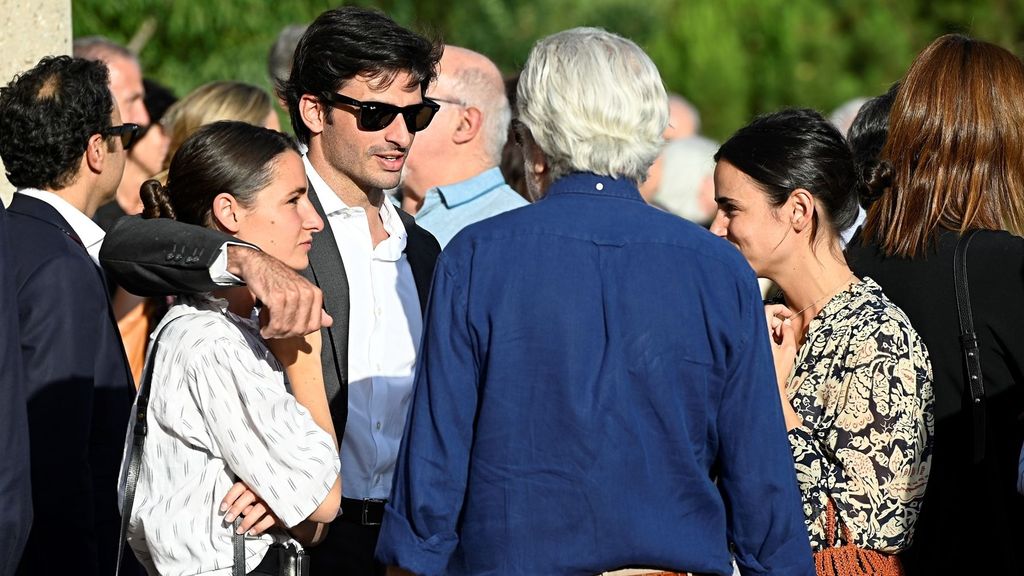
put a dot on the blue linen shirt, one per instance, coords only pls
(596, 391)
(448, 209)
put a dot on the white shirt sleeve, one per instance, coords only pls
(267, 438)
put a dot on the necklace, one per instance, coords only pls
(832, 292)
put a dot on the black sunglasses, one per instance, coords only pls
(374, 116)
(128, 133)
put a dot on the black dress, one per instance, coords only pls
(972, 519)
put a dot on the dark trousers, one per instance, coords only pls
(347, 551)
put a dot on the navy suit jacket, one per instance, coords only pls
(79, 392)
(15, 490)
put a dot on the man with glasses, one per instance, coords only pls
(356, 100)
(64, 149)
(452, 178)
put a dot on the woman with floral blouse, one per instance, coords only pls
(854, 378)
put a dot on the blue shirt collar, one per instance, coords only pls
(596, 184)
(468, 190)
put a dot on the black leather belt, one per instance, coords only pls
(366, 512)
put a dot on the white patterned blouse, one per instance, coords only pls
(218, 411)
(862, 384)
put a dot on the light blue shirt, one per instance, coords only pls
(448, 209)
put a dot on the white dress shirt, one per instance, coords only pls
(87, 231)
(385, 326)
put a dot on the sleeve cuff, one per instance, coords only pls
(219, 269)
(400, 546)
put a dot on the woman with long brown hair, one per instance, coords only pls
(954, 164)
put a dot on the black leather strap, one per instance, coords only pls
(135, 467)
(969, 345)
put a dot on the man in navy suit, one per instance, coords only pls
(64, 149)
(15, 491)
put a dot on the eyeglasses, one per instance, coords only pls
(374, 116)
(448, 101)
(128, 133)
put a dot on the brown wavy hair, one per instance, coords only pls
(954, 158)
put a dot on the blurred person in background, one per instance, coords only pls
(951, 165)
(687, 187)
(512, 153)
(209, 103)
(683, 122)
(125, 75)
(452, 178)
(282, 52)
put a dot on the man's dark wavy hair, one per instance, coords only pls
(351, 41)
(47, 116)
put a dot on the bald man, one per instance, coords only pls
(451, 176)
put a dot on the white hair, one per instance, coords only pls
(486, 91)
(594, 102)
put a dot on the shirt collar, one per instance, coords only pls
(390, 249)
(87, 231)
(329, 199)
(596, 184)
(470, 189)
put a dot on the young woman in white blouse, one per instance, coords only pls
(226, 438)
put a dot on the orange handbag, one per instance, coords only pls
(849, 559)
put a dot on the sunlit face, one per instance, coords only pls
(282, 220)
(747, 220)
(370, 160)
(126, 86)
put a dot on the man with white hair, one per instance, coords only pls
(451, 177)
(559, 423)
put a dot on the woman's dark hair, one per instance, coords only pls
(866, 137)
(797, 148)
(224, 157)
(350, 41)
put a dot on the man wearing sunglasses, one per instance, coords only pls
(64, 149)
(355, 95)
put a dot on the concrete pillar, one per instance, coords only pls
(29, 30)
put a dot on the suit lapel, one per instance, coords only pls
(327, 270)
(36, 208)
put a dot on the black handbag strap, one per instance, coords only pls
(969, 344)
(135, 467)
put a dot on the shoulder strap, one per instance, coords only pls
(969, 344)
(135, 467)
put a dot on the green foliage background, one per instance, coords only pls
(732, 58)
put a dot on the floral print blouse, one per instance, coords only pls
(862, 384)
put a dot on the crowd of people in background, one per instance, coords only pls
(453, 322)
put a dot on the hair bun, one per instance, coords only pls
(155, 200)
(876, 176)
